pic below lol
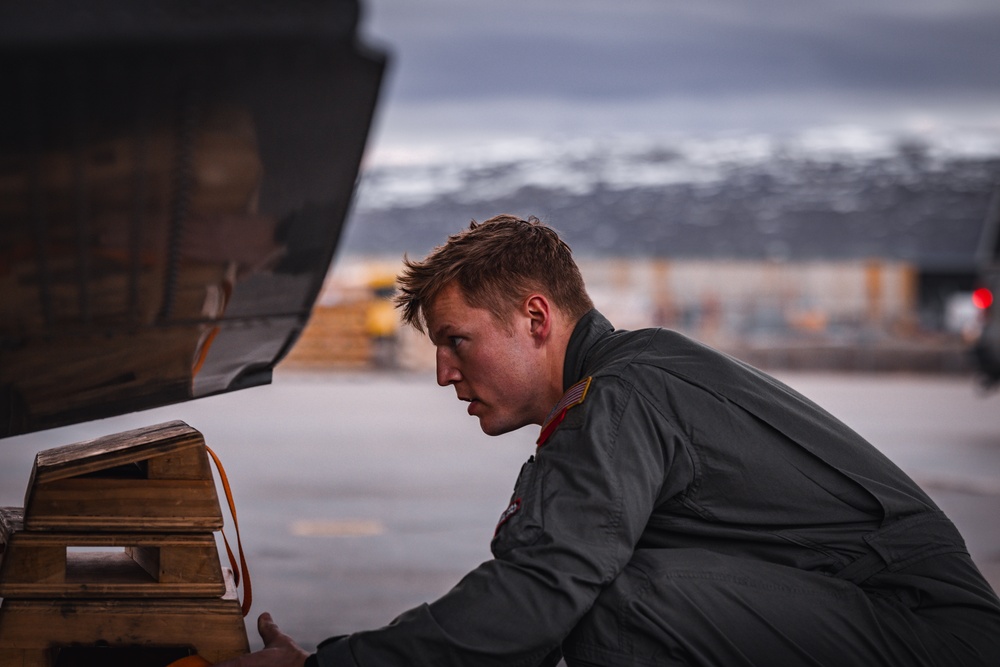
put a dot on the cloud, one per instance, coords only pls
(590, 57)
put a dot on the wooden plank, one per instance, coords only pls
(108, 580)
(43, 567)
(71, 565)
(214, 628)
(190, 565)
(190, 463)
(144, 505)
(161, 540)
(44, 564)
(110, 451)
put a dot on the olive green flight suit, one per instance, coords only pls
(687, 509)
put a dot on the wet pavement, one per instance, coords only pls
(362, 495)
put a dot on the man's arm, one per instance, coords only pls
(578, 509)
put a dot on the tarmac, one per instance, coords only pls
(361, 495)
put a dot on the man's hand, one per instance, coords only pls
(279, 649)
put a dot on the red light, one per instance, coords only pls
(982, 298)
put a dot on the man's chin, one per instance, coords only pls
(488, 428)
(493, 428)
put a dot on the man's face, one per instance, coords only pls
(491, 367)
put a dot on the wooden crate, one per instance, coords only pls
(113, 559)
(152, 479)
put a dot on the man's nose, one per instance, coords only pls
(447, 370)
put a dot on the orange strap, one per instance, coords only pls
(191, 661)
(247, 595)
(202, 355)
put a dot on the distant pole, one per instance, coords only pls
(873, 289)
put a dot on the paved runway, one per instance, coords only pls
(362, 495)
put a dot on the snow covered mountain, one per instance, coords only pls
(832, 194)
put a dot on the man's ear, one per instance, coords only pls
(539, 312)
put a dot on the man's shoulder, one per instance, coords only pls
(626, 352)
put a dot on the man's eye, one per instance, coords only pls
(454, 341)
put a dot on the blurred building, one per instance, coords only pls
(860, 315)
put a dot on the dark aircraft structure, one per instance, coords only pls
(174, 179)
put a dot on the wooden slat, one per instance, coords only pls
(190, 463)
(43, 566)
(127, 586)
(213, 627)
(110, 451)
(40, 564)
(122, 505)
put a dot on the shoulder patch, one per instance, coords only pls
(574, 396)
(513, 509)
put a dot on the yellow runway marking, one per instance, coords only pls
(337, 528)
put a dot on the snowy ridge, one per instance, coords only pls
(489, 171)
(837, 194)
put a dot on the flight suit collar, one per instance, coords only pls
(591, 328)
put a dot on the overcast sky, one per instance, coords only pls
(468, 70)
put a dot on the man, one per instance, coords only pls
(682, 508)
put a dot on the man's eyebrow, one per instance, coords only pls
(440, 331)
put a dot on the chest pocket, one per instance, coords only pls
(521, 523)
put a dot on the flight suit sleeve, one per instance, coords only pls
(578, 508)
